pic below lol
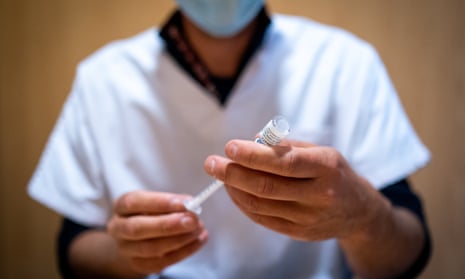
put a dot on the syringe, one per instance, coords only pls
(272, 134)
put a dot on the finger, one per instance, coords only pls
(148, 202)
(296, 143)
(293, 230)
(157, 247)
(274, 223)
(155, 265)
(260, 183)
(291, 161)
(293, 212)
(310, 191)
(139, 227)
(298, 223)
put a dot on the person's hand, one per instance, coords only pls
(153, 230)
(305, 191)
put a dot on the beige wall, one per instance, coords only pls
(421, 41)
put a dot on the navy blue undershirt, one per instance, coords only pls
(399, 194)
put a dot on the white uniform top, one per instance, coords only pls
(136, 120)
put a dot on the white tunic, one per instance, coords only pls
(136, 120)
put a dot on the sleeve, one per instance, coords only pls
(373, 130)
(400, 194)
(68, 178)
(68, 232)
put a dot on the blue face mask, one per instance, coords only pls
(221, 18)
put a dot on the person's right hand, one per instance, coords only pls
(153, 230)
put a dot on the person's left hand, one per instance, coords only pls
(305, 191)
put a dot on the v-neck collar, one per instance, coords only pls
(181, 51)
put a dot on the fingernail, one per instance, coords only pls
(212, 165)
(176, 203)
(232, 151)
(203, 237)
(187, 222)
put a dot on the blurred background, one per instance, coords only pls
(422, 43)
